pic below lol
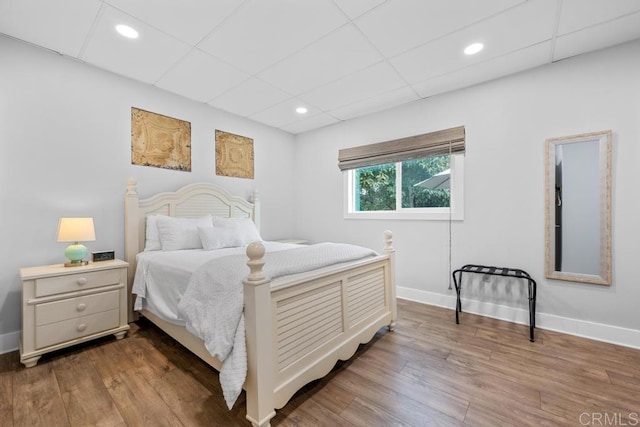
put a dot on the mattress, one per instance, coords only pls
(162, 276)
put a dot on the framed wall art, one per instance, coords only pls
(234, 155)
(160, 141)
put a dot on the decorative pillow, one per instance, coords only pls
(181, 233)
(218, 238)
(244, 228)
(152, 242)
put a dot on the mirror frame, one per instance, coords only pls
(604, 143)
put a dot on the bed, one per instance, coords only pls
(297, 326)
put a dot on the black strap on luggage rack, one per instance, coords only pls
(498, 271)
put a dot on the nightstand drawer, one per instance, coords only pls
(76, 282)
(67, 330)
(57, 311)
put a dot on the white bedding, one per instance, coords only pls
(162, 276)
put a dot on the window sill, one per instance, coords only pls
(442, 215)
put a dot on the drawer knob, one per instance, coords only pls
(82, 281)
(81, 306)
(81, 327)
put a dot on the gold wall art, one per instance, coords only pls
(234, 155)
(160, 141)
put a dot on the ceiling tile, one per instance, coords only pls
(344, 58)
(399, 25)
(342, 52)
(201, 77)
(598, 37)
(579, 14)
(59, 26)
(356, 87)
(261, 33)
(518, 28)
(285, 113)
(314, 122)
(250, 97)
(488, 70)
(146, 58)
(377, 103)
(355, 8)
(187, 20)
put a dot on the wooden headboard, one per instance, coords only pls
(193, 200)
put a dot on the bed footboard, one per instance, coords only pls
(298, 330)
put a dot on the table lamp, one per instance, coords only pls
(76, 230)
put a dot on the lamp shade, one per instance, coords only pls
(76, 230)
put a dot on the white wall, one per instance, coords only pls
(65, 135)
(65, 150)
(507, 122)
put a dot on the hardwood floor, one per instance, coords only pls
(430, 371)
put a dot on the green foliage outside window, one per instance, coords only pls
(375, 186)
(415, 171)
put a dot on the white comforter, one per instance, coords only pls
(162, 276)
(212, 304)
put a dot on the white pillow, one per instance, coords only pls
(218, 238)
(181, 233)
(152, 242)
(245, 228)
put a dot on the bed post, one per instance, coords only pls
(131, 239)
(259, 335)
(256, 209)
(391, 291)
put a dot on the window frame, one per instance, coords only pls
(455, 212)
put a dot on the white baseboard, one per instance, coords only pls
(582, 328)
(9, 342)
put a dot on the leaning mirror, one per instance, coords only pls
(578, 208)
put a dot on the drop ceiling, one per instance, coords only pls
(341, 59)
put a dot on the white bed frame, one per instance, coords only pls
(297, 327)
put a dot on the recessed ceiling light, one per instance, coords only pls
(473, 48)
(127, 31)
(301, 110)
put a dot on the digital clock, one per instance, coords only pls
(103, 256)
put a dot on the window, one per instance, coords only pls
(423, 188)
(395, 179)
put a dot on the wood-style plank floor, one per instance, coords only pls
(430, 371)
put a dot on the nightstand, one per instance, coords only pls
(296, 241)
(63, 306)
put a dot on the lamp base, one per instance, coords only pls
(75, 254)
(75, 263)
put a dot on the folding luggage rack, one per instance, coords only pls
(499, 271)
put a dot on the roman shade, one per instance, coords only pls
(413, 147)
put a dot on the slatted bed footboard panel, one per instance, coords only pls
(307, 321)
(315, 323)
(365, 295)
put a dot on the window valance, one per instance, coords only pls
(413, 147)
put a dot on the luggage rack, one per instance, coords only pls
(499, 271)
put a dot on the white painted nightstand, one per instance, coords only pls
(62, 306)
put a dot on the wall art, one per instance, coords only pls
(234, 155)
(160, 141)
